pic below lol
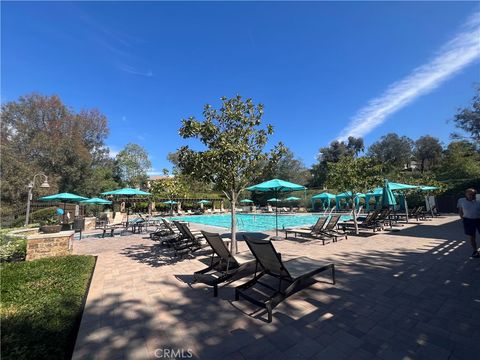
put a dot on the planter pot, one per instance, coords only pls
(50, 229)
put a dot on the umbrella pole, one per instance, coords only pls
(64, 211)
(276, 215)
(406, 207)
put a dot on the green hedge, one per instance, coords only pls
(12, 248)
(41, 306)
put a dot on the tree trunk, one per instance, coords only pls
(233, 205)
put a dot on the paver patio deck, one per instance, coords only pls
(409, 294)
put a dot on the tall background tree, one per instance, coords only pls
(428, 152)
(332, 154)
(392, 151)
(133, 164)
(234, 142)
(468, 120)
(41, 134)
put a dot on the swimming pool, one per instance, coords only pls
(255, 222)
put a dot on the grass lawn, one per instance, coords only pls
(41, 305)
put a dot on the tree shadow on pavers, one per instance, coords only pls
(415, 303)
(448, 231)
(155, 255)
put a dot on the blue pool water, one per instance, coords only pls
(254, 222)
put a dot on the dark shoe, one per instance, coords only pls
(475, 254)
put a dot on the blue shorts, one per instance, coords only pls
(470, 226)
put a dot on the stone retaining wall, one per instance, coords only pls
(46, 245)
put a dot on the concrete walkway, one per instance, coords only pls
(409, 294)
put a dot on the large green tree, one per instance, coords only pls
(234, 142)
(428, 152)
(287, 167)
(133, 165)
(356, 175)
(41, 134)
(332, 154)
(468, 120)
(392, 151)
(461, 161)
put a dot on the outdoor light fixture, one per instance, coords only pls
(30, 187)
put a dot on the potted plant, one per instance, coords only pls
(50, 225)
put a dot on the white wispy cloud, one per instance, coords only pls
(131, 70)
(460, 51)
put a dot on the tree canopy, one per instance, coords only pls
(468, 120)
(234, 143)
(392, 150)
(41, 134)
(133, 165)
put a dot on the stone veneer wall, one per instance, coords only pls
(46, 245)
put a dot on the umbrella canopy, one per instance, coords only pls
(273, 200)
(324, 196)
(292, 198)
(276, 185)
(63, 197)
(96, 201)
(170, 202)
(246, 201)
(388, 199)
(126, 192)
(204, 202)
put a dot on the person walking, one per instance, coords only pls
(469, 211)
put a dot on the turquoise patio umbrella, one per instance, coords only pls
(388, 199)
(273, 200)
(245, 201)
(126, 192)
(96, 201)
(204, 202)
(292, 198)
(276, 186)
(63, 198)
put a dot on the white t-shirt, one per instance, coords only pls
(471, 209)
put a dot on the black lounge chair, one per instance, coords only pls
(292, 275)
(368, 223)
(224, 267)
(315, 232)
(330, 229)
(186, 242)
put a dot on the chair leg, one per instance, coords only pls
(333, 274)
(215, 290)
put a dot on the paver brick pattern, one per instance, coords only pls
(408, 294)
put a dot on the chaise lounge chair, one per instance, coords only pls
(292, 275)
(314, 232)
(330, 229)
(369, 222)
(224, 267)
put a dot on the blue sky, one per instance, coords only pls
(316, 66)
